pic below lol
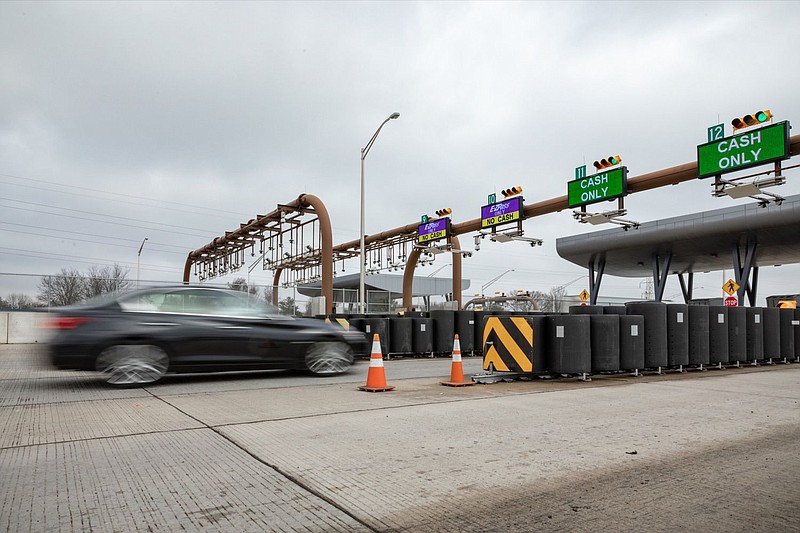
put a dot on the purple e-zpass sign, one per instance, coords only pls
(501, 212)
(433, 231)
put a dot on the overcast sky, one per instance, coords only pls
(179, 121)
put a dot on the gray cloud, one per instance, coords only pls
(236, 107)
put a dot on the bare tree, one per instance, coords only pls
(64, 288)
(18, 301)
(102, 280)
(557, 296)
(542, 300)
(551, 301)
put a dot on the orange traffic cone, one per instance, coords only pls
(376, 378)
(457, 370)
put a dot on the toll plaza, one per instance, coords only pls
(295, 242)
(742, 238)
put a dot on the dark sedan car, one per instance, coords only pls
(137, 337)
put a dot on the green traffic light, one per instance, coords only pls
(761, 116)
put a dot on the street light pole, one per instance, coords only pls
(484, 287)
(437, 270)
(362, 257)
(138, 256)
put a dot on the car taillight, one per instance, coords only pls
(66, 322)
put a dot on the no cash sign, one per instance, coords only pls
(500, 219)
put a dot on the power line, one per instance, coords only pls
(110, 222)
(79, 259)
(70, 186)
(92, 242)
(91, 235)
(115, 217)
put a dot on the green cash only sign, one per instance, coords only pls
(597, 188)
(749, 149)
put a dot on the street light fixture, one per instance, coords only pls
(362, 257)
(138, 256)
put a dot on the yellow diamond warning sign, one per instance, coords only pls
(730, 287)
(584, 295)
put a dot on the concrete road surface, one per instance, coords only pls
(699, 451)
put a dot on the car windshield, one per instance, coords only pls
(199, 302)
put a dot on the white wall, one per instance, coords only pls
(22, 328)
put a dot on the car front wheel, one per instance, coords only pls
(132, 364)
(329, 358)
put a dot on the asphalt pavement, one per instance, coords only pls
(279, 451)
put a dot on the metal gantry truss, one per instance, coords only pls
(387, 254)
(288, 238)
(395, 249)
(612, 216)
(753, 185)
(263, 234)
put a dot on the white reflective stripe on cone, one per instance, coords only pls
(376, 362)
(456, 357)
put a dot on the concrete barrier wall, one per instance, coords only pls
(22, 328)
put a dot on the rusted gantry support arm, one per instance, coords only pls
(246, 233)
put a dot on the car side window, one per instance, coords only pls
(198, 302)
(205, 303)
(172, 303)
(142, 303)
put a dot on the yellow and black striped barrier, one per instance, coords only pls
(508, 344)
(342, 322)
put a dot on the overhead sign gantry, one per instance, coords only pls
(504, 213)
(598, 188)
(499, 213)
(295, 238)
(608, 183)
(744, 150)
(433, 230)
(311, 257)
(768, 143)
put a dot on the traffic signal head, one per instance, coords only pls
(512, 191)
(443, 212)
(751, 120)
(609, 161)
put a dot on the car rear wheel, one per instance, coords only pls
(329, 358)
(132, 364)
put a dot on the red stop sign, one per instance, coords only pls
(730, 301)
